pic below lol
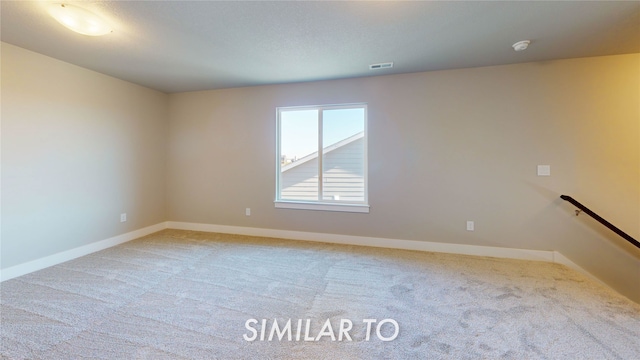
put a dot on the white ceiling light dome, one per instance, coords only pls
(79, 20)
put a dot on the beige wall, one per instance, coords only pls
(444, 147)
(78, 149)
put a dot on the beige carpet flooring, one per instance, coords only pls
(188, 295)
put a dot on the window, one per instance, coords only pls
(337, 179)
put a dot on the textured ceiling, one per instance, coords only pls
(176, 46)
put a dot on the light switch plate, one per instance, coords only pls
(544, 170)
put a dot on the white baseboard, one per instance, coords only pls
(499, 252)
(39, 264)
(461, 249)
(474, 250)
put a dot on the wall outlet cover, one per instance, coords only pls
(470, 226)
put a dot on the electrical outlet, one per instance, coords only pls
(247, 211)
(470, 226)
(123, 217)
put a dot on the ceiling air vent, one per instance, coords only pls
(387, 65)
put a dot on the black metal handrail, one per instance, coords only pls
(600, 219)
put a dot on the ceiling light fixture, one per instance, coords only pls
(79, 20)
(521, 45)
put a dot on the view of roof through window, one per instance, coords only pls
(299, 131)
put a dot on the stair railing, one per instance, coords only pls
(598, 218)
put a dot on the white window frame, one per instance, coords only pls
(322, 205)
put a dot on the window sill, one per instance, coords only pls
(300, 205)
